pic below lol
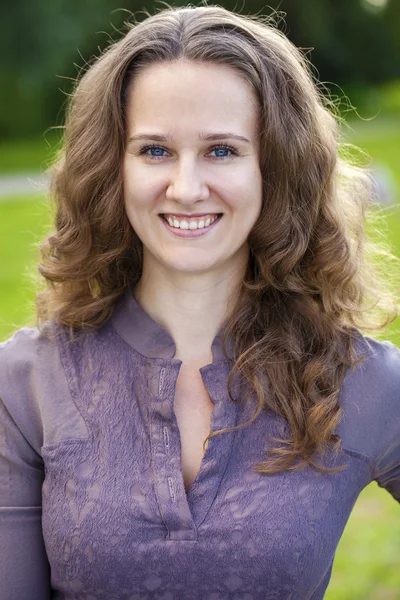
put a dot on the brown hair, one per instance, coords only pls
(307, 285)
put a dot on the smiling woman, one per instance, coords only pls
(198, 410)
(192, 176)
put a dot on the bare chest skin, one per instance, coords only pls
(193, 408)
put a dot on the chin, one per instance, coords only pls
(191, 267)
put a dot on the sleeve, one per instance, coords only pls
(386, 469)
(24, 567)
(370, 424)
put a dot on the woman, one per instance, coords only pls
(198, 411)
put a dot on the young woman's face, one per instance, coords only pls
(192, 154)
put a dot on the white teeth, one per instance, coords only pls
(184, 224)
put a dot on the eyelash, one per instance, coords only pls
(224, 146)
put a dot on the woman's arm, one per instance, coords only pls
(24, 567)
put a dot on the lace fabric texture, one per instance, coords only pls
(117, 522)
(92, 498)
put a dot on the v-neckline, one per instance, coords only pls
(184, 512)
(193, 409)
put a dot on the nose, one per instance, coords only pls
(186, 184)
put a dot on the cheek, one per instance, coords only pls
(243, 191)
(140, 192)
(246, 180)
(135, 180)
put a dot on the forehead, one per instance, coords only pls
(183, 94)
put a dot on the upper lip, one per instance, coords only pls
(193, 215)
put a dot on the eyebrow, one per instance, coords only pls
(204, 137)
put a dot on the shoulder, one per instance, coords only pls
(34, 390)
(25, 353)
(377, 375)
(370, 399)
(380, 353)
(27, 343)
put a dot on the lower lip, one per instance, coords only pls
(190, 233)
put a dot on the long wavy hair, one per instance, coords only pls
(308, 285)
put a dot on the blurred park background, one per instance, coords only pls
(355, 48)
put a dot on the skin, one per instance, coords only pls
(185, 279)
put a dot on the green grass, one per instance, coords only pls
(32, 155)
(366, 563)
(380, 139)
(367, 558)
(23, 223)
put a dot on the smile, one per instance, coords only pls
(190, 223)
(193, 228)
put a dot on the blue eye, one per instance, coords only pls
(155, 150)
(221, 150)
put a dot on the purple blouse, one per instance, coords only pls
(92, 499)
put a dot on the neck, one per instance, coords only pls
(191, 307)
